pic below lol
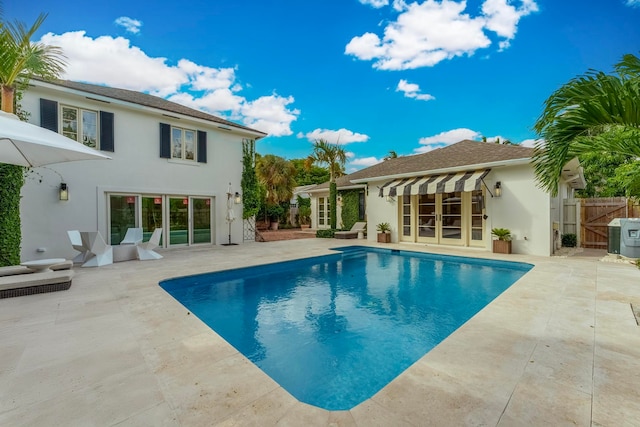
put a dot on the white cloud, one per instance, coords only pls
(365, 161)
(633, 3)
(350, 154)
(375, 3)
(115, 62)
(342, 136)
(445, 138)
(129, 24)
(530, 142)
(427, 33)
(412, 90)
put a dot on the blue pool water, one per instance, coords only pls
(333, 330)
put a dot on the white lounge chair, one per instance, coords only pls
(76, 241)
(133, 237)
(353, 233)
(100, 253)
(146, 250)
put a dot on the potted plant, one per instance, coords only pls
(384, 232)
(274, 212)
(502, 241)
(304, 215)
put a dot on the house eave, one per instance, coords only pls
(489, 165)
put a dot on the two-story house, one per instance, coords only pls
(172, 167)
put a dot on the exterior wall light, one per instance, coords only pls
(238, 198)
(391, 199)
(498, 189)
(64, 192)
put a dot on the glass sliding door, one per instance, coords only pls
(178, 220)
(201, 211)
(151, 216)
(451, 217)
(122, 216)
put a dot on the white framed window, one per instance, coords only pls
(80, 125)
(183, 143)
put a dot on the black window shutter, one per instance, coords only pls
(49, 114)
(165, 141)
(202, 147)
(106, 131)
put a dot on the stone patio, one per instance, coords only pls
(560, 347)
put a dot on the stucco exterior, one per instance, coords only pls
(136, 169)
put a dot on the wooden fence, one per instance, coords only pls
(597, 213)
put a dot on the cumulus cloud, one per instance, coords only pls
(365, 161)
(529, 142)
(342, 136)
(633, 3)
(115, 62)
(427, 33)
(412, 90)
(445, 138)
(375, 3)
(129, 24)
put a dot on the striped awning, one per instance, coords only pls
(434, 184)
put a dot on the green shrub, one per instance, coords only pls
(569, 240)
(12, 178)
(350, 208)
(274, 212)
(501, 234)
(325, 234)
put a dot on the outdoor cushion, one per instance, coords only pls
(14, 269)
(353, 233)
(36, 283)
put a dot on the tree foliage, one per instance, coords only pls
(277, 175)
(334, 156)
(592, 113)
(250, 186)
(309, 174)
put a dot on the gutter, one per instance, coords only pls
(348, 187)
(490, 165)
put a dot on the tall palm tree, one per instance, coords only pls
(334, 156)
(19, 61)
(592, 113)
(278, 177)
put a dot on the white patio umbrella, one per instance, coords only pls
(24, 144)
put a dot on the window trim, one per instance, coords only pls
(79, 120)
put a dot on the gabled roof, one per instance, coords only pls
(463, 155)
(146, 100)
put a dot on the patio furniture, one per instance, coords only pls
(35, 283)
(146, 249)
(100, 253)
(79, 245)
(353, 233)
(133, 236)
(42, 265)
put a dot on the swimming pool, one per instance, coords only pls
(333, 330)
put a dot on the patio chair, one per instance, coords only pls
(133, 237)
(146, 250)
(76, 241)
(100, 253)
(358, 227)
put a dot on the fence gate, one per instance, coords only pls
(596, 214)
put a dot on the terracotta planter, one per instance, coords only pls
(384, 237)
(502, 246)
(303, 226)
(274, 225)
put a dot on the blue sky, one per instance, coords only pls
(377, 75)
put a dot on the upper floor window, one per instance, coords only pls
(183, 143)
(80, 125)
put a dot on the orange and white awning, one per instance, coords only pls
(435, 184)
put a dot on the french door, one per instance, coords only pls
(439, 218)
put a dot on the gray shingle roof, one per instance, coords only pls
(463, 155)
(147, 101)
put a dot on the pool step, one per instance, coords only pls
(354, 254)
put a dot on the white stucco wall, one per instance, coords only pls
(136, 168)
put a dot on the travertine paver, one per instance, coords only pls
(560, 347)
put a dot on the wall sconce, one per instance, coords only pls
(498, 189)
(238, 198)
(64, 192)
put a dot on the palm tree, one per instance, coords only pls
(334, 156)
(19, 61)
(592, 113)
(277, 175)
(392, 155)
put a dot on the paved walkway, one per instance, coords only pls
(560, 347)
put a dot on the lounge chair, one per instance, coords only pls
(146, 249)
(76, 241)
(358, 227)
(17, 285)
(100, 252)
(133, 237)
